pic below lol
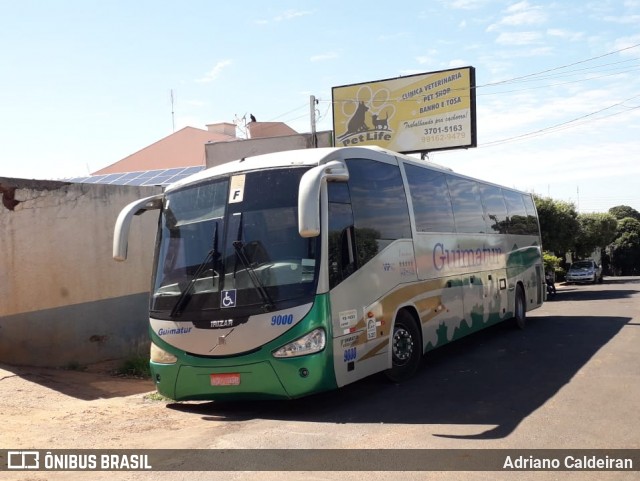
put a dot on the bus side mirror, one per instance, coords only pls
(123, 223)
(309, 194)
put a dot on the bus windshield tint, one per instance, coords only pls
(249, 250)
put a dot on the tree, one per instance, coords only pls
(559, 224)
(624, 251)
(596, 231)
(622, 211)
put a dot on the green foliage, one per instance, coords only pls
(553, 263)
(156, 396)
(617, 233)
(136, 366)
(628, 226)
(596, 231)
(558, 224)
(622, 211)
(624, 251)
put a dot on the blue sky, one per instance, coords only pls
(85, 83)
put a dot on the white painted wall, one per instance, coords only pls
(63, 299)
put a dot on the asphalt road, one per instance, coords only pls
(570, 380)
(583, 346)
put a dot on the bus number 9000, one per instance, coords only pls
(282, 320)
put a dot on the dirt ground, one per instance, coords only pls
(39, 409)
(61, 409)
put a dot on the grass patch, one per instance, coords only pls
(156, 396)
(136, 366)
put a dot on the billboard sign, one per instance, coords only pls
(417, 113)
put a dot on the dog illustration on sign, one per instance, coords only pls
(363, 120)
(357, 123)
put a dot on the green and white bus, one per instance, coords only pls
(287, 274)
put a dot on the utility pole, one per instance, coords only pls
(312, 112)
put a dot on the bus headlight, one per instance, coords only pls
(307, 344)
(161, 356)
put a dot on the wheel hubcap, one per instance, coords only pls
(402, 345)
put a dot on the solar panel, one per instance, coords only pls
(149, 177)
(129, 176)
(84, 180)
(111, 177)
(192, 170)
(174, 171)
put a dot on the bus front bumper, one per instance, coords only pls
(267, 379)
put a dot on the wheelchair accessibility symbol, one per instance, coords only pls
(228, 298)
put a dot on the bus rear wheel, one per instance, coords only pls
(406, 348)
(520, 308)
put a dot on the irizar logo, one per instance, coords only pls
(222, 323)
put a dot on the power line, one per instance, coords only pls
(537, 76)
(559, 84)
(558, 68)
(565, 124)
(289, 112)
(575, 71)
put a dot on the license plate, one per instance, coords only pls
(227, 379)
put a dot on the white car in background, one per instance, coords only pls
(584, 271)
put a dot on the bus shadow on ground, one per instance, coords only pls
(496, 377)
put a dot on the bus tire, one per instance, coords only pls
(406, 348)
(520, 316)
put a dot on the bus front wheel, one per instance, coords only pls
(406, 348)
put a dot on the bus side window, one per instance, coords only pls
(342, 260)
(532, 218)
(517, 212)
(431, 200)
(380, 209)
(467, 206)
(495, 208)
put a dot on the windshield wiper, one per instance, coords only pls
(185, 295)
(268, 305)
(238, 246)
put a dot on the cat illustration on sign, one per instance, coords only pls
(380, 124)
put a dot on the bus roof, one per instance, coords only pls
(298, 158)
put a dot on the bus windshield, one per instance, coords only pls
(230, 247)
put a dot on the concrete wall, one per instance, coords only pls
(221, 152)
(63, 299)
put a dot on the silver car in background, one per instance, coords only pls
(584, 271)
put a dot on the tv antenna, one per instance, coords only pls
(173, 119)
